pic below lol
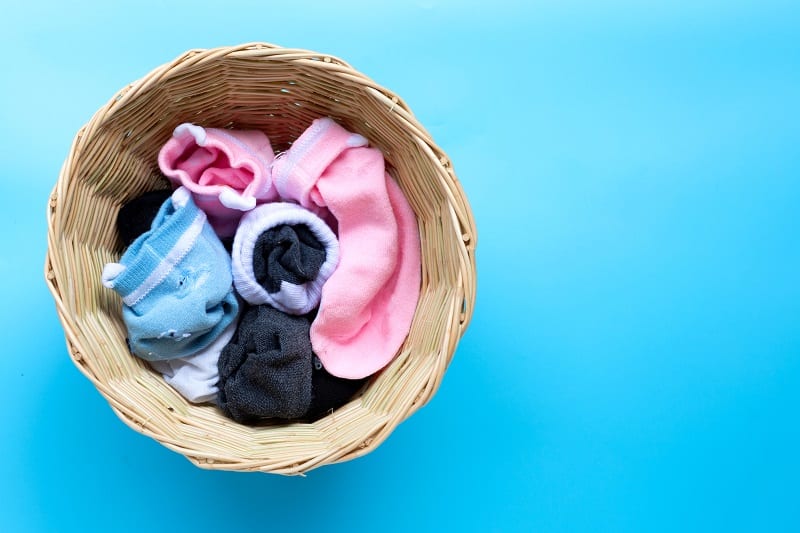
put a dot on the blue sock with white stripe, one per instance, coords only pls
(175, 282)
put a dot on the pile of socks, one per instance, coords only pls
(271, 286)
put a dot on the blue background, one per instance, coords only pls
(632, 364)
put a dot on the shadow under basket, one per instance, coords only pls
(279, 91)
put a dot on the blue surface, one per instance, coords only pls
(633, 363)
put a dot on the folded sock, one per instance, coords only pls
(265, 371)
(136, 216)
(196, 376)
(368, 303)
(227, 171)
(175, 282)
(282, 255)
(328, 392)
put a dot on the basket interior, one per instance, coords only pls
(280, 92)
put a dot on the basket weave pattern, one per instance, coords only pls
(279, 91)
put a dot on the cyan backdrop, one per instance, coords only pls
(634, 359)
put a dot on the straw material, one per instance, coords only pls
(279, 91)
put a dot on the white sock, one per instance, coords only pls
(196, 376)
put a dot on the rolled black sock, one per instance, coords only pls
(136, 216)
(282, 256)
(265, 371)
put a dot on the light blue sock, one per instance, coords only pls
(175, 282)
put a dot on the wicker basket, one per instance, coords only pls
(280, 91)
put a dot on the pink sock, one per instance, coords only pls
(368, 302)
(227, 171)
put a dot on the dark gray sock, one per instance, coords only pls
(287, 252)
(265, 371)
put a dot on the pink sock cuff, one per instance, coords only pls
(228, 172)
(295, 172)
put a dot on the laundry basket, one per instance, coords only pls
(279, 91)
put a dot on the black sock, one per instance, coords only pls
(136, 216)
(329, 392)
